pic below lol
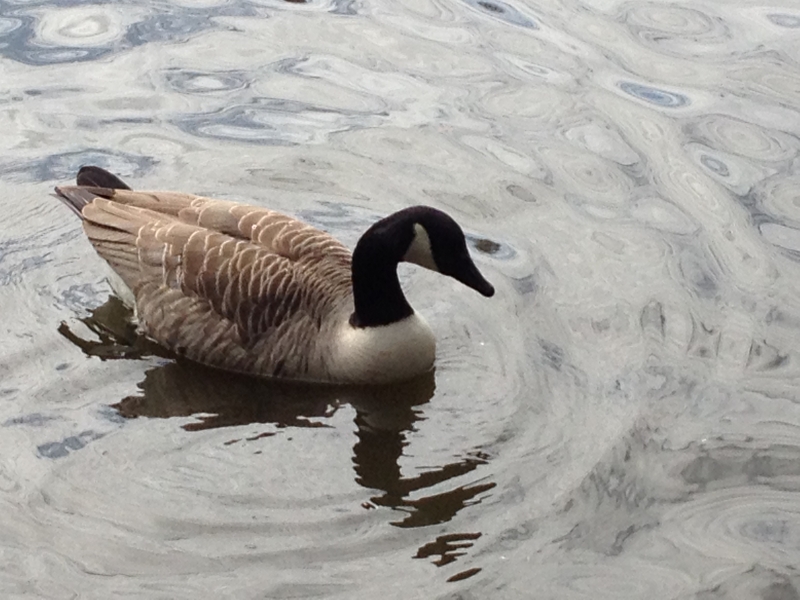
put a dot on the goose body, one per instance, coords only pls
(251, 290)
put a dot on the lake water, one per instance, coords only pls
(622, 419)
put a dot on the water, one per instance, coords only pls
(620, 421)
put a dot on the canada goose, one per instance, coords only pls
(251, 290)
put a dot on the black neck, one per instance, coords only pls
(379, 300)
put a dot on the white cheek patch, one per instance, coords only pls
(419, 252)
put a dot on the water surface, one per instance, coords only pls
(620, 421)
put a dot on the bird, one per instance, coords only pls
(254, 291)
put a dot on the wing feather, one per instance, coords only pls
(224, 284)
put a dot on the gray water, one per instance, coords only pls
(620, 421)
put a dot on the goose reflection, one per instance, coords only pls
(385, 415)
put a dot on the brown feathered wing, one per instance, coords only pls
(226, 284)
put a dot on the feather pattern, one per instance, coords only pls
(233, 286)
(248, 289)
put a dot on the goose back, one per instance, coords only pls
(230, 285)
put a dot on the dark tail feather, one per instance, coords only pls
(77, 197)
(92, 176)
(92, 182)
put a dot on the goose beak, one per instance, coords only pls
(470, 276)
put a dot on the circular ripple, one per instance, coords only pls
(8, 24)
(670, 19)
(497, 250)
(743, 138)
(65, 166)
(502, 11)
(662, 215)
(587, 175)
(737, 174)
(699, 274)
(46, 57)
(168, 27)
(653, 95)
(183, 501)
(676, 29)
(604, 141)
(334, 6)
(784, 20)
(715, 165)
(753, 581)
(780, 198)
(81, 27)
(273, 122)
(200, 82)
(783, 236)
(738, 522)
(629, 578)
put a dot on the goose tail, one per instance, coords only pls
(91, 176)
(92, 182)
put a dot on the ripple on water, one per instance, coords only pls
(341, 7)
(521, 192)
(779, 198)
(64, 166)
(503, 12)
(654, 96)
(69, 444)
(515, 159)
(649, 580)
(700, 272)
(201, 494)
(383, 88)
(206, 82)
(89, 32)
(579, 578)
(9, 24)
(601, 139)
(198, 511)
(212, 482)
(46, 56)
(735, 522)
(677, 30)
(736, 136)
(167, 27)
(734, 172)
(82, 26)
(785, 20)
(68, 34)
(556, 77)
(175, 23)
(775, 465)
(591, 183)
(662, 215)
(783, 236)
(753, 582)
(274, 122)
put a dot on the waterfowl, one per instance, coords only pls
(251, 290)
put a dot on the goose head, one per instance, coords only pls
(438, 244)
(420, 235)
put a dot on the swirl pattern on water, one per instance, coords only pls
(276, 122)
(677, 30)
(502, 11)
(785, 20)
(745, 139)
(65, 165)
(654, 95)
(724, 523)
(620, 420)
(200, 82)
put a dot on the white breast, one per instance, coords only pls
(380, 354)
